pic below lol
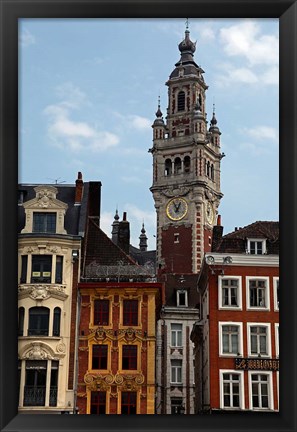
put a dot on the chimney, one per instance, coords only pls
(94, 200)
(78, 188)
(124, 234)
(217, 234)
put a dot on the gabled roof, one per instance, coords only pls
(236, 241)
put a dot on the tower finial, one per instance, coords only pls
(187, 23)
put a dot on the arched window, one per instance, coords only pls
(212, 172)
(57, 321)
(200, 101)
(168, 167)
(181, 101)
(177, 165)
(38, 321)
(187, 163)
(208, 169)
(21, 321)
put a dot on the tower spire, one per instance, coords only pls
(143, 239)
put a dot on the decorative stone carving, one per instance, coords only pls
(175, 191)
(100, 333)
(130, 334)
(119, 379)
(61, 348)
(42, 292)
(40, 351)
(37, 353)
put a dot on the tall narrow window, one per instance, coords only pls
(168, 167)
(128, 403)
(99, 357)
(230, 292)
(181, 101)
(176, 371)
(41, 269)
(54, 383)
(101, 312)
(259, 340)
(260, 391)
(187, 164)
(177, 165)
(44, 222)
(38, 321)
(130, 312)
(129, 359)
(257, 293)
(98, 402)
(59, 269)
(176, 335)
(24, 269)
(230, 338)
(21, 321)
(231, 390)
(57, 321)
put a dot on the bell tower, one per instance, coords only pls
(186, 168)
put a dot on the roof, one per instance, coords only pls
(235, 242)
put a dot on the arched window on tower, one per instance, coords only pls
(181, 101)
(177, 165)
(208, 169)
(212, 172)
(168, 167)
(200, 101)
(187, 163)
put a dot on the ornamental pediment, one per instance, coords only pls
(42, 292)
(45, 198)
(41, 351)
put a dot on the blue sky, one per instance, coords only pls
(89, 92)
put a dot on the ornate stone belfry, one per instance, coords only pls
(186, 168)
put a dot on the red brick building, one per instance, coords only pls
(119, 301)
(237, 336)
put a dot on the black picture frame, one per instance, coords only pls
(11, 11)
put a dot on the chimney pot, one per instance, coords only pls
(124, 216)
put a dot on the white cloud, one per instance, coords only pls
(262, 133)
(263, 140)
(106, 219)
(66, 133)
(245, 39)
(132, 121)
(140, 215)
(26, 38)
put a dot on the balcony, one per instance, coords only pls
(35, 396)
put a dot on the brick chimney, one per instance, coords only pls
(124, 234)
(79, 184)
(217, 234)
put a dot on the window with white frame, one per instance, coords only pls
(276, 292)
(230, 338)
(256, 246)
(229, 292)
(176, 335)
(257, 293)
(176, 371)
(231, 384)
(259, 339)
(277, 340)
(182, 298)
(261, 396)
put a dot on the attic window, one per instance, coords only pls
(256, 246)
(182, 298)
(44, 222)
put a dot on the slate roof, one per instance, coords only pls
(236, 241)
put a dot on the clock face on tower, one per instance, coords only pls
(209, 213)
(177, 209)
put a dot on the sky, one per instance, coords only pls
(88, 94)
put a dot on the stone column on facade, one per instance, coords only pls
(48, 383)
(22, 382)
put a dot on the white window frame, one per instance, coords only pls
(267, 293)
(257, 240)
(270, 391)
(268, 342)
(240, 338)
(276, 303)
(220, 293)
(176, 368)
(178, 292)
(241, 389)
(176, 331)
(276, 329)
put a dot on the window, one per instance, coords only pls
(128, 403)
(276, 339)
(38, 321)
(168, 167)
(21, 321)
(259, 339)
(276, 293)
(231, 338)
(182, 298)
(59, 269)
(44, 222)
(181, 101)
(257, 293)
(98, 402)
(176, 405)
(177, 165)
(231, 389)
(41, 269)
(35, 383)
(130, 312)
(187, 164)
(229, 292)
(256, 246)
(176, 335)
(101, 312)
(24, 265)
(56, 322)
(176, 371)
(129, 358)
(261, 392)
(176, 238)
(99, 357)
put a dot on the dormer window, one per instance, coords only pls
(182, 298)
(44, 222)
(256, 246)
